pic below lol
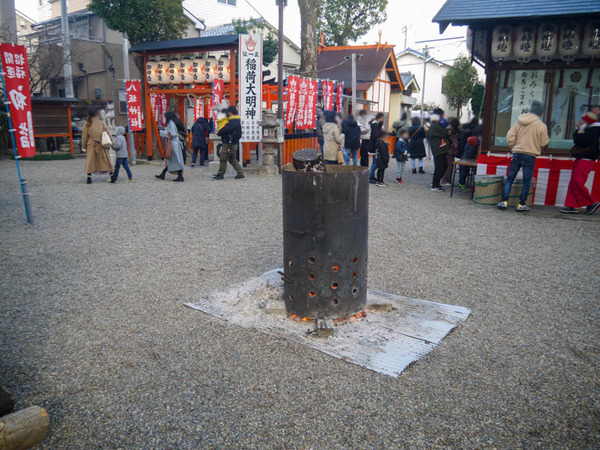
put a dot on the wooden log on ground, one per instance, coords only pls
(308, 160)
(23, 429)
(7, 404)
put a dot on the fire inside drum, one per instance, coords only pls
(325, 237)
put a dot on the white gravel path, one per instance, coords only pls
(93, 327)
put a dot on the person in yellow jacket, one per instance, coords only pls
(526, 138)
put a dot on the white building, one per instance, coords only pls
(413, 61)
(218, 12)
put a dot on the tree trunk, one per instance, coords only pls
(308, 24)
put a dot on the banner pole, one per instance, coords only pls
(22, 181)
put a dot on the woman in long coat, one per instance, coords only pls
(175, 162)
(416, 146)
(97, 159)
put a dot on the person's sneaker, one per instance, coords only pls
(131, 180)
(414, 171)
(399, 180)
(502, 205)
(218, 177)
(446, 184)
(239, 177)
(192, 165)
(89, 180)
(462, 186)
(523, 208)
(379, 184)
(372, 181)
(438, 189)
(112, 180)
(421, 170)
(570, 210)
(592, 208)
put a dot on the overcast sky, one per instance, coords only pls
(417, 15)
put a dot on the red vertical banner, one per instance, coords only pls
(339, 99)
(16, 79)
(209, 108)
(198, 108)
(327, 95)
(164, 107)
(301, 118)
(292, 101)
(311, 104)
(133, 90)
(154, 103)
(218, 87)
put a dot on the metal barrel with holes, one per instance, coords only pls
(325, 241)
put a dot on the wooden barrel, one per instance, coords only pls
(515, 192)
(488, 189)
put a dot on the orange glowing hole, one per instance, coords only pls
(311, 277)
(354, 274)
(355, 260)
(312, 294)
(334, 285)
(335, 268)
(291, 297)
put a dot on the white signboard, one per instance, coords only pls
(529, 86)
(250, 85)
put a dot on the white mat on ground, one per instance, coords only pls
(385, 342)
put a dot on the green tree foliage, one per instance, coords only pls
(344, 21)
(477, 99)
(143, 20)
(270, 44)
(459, 83)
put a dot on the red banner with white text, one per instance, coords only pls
(301, 113)
(311, 104)
(339, 97)
(292, 101)
(327, 87)
(16, 78)
(198, 108)
(164, 107)
(218, 89)
(133, 92)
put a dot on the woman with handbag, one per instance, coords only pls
(96, 141)
(586, 151)
(173, 149)
(332, 137)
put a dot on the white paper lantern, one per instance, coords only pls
(162, 72)
(570, 41)
(525, 42)
(183, 73)
(210, 65)
(591, 40)
(501, 43)
(172, 71)
(197, 71)
(151, 72)
(547, 41)
(223, 69)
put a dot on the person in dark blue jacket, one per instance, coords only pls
(199, 143)
(351, 131)
(401, 153)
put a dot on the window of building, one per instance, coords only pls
(122, 102)
(228, 2)
(566, 94)
(443, 84)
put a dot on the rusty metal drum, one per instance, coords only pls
(325, 241)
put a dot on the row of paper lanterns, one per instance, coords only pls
(546, 41)
(189, 70)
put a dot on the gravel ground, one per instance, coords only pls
(93, 326)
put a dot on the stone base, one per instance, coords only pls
(268, 170)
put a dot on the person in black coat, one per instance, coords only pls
(376, 130)
(382, 156)
(351, 131)
(230, 134)
(416, 146)
(199, 142)
(182, 135)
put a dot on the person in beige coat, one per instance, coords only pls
(526, 138)
(97, 159)
(332, 138)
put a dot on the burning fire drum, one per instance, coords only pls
(325, 230)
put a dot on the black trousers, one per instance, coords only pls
(380, 173)
(364, 152)
(441, 164)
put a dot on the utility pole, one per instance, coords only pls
(354, 83)
(281, 4)
(67, 69)
(132, 154)
(425, 50)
